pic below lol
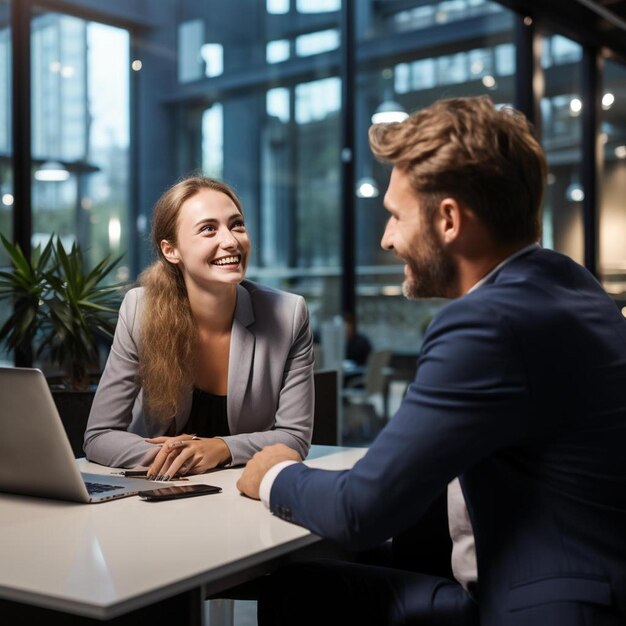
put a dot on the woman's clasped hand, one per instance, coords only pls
(186, 454)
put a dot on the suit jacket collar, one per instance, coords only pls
(491, 276)
(241, 354)
(244, 313)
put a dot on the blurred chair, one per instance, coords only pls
(372, 387)
(326, 414)
(74, 407)
(317, 356)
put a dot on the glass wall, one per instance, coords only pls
(561, 123)
(257, 102)
(612, 218)
(80, 134)
(438, 50)
(6, 167)
(300, 244)
(269, 124)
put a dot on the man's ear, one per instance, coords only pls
(169, 252)
(449, 219)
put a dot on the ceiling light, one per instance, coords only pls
(489, 81)
(575, 105)
(366, 187)
(52, 171)
(575, 193)
(607, 100)
(388, 112)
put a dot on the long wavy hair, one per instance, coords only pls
(167, 350)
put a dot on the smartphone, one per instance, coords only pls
(178, 491)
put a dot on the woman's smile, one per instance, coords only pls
(228, 262)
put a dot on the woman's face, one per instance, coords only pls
(213, 245)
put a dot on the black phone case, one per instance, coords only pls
(174, 492)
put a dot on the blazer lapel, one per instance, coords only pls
(240, 358)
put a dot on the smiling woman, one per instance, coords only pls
(206, 367)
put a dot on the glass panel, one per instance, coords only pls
(80, 113)
(213, 141)
(465, 63)
(213, 56)
(277, 103)
(317, 116)
(317, 6)
(277, 7)
(612, 222)
(316, 43)
(277, 51)
(190, 40)
(196, 58)
(300, 220)
(396, 16)
(561, 125)
(6, 167)
(6, 151)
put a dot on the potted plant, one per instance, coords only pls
(62, 312)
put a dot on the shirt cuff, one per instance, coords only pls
(267, 481)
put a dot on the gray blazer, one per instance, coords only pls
(270, 383)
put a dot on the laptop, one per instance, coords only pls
(36, 457)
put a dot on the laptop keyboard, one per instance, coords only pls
(95, 488)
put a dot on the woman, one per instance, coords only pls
(206, 368)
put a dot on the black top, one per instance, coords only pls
(208, 416)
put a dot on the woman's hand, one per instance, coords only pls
(186, 454)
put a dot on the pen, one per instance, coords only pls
(143, 474)
(134, 473)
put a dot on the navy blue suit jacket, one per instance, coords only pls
(521, 391)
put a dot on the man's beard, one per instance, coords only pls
(432, 273)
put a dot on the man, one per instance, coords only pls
(520, 391)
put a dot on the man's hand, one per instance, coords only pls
(250, 480)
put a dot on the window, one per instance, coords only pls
(299, 241)
(460, 67)
(6, 167)
(561, 122)
(316, 43)
(80, 135)
(213, 141)
(612, 218)
(394, 16)
(277, 51)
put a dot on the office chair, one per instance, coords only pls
(74, 407)
(372, 387)
(326, 414)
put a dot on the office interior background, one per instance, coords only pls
(105, 104)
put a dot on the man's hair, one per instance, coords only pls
(484, 157)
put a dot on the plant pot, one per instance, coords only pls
(74, 407)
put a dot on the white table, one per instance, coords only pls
(106, 560)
